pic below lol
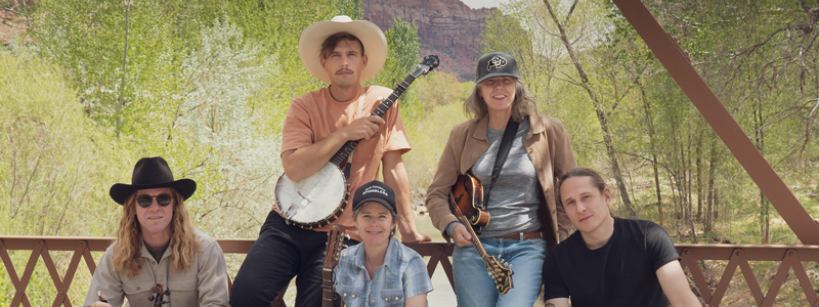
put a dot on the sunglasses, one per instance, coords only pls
(145, 200)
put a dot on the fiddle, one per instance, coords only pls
(159, 297)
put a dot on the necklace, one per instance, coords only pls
(334, 97)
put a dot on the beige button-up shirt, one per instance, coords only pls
(549, 148)
(204, 283)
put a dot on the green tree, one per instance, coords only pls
(402, 40)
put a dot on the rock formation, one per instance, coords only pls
(448, 28)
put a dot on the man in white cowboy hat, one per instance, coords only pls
(343, 53)
(157, 248)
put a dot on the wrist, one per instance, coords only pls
(450, 229)
(407, 229)
(343, 134)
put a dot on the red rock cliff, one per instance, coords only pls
(447, 28)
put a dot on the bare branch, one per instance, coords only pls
(804, 5)
(762, 43)
(568, 80)
(813, 111)
(542, 27)
(569, 15)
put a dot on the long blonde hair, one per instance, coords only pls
(523, 106)
(129, 239)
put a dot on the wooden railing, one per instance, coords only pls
(82, 247)
(789, 256)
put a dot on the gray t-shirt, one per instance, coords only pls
(513, 202)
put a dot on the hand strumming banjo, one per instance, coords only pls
(319, 199)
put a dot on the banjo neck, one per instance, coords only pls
(385, 105)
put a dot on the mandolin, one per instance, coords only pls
(466, 199)
(335, 243)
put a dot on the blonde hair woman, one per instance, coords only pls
(521, 203)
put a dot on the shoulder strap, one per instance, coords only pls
(503, 152)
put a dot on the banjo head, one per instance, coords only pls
(313, 201)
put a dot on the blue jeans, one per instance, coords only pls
(475, 288)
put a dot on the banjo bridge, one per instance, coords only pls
(302, 196)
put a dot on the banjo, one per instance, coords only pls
(319, 199)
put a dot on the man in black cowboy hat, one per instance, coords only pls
(342, 52)
(157, 248)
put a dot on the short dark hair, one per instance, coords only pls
(331, 42)
(597, 180)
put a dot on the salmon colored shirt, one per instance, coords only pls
(315, 115)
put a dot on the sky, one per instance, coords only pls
(476, 4)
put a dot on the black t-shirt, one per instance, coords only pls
(621, 273)
(157, 252)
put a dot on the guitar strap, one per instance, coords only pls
(503, 152)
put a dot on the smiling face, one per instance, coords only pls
(374, 223)
(345, 63)
(498, 93)
(585, 205)
(155, 219)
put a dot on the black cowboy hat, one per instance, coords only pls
(151, 173)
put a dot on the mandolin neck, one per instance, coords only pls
(476, 242)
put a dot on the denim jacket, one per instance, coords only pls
(402, 276)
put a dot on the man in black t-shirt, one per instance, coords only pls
(610, 261)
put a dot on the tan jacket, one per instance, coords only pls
(202, 284)
(551, 153)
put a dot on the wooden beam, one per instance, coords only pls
(680, 68)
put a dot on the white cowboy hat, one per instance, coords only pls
(375, 44)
